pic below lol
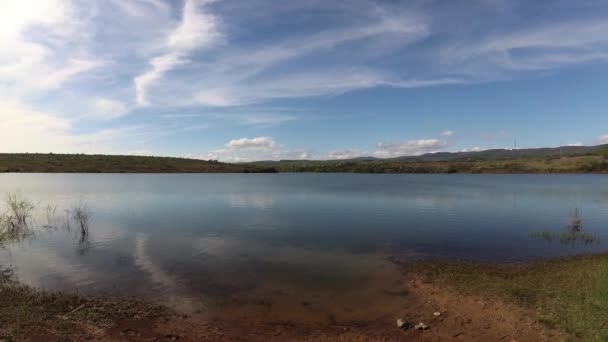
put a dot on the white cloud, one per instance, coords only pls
(160, 65)
(409, 148)
(264, 120)
(196, 30)
(252, 149)
(24, 129)
(64, 62)
(540, 46)
(237, 75)
(107, 109)
(346, 154)
(393, 150)
(471, 149)
(576, 144)
(35, 37)
(254, 144)
(603, 139)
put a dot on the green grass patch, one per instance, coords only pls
(570, 294)
(566, 237)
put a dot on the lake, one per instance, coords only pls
(296, 246)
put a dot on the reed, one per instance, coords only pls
(81, 214)
(20, 208)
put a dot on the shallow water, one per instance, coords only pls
(298, 246)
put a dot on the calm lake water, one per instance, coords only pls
(296, 243)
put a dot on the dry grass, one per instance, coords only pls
(29, 314)
(14, 223)
(52, 219)
(20, 208)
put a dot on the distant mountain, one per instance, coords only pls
(495, 154)
(565, 159)
(492, 154)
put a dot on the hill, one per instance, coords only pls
(86, 163)
(565, 159)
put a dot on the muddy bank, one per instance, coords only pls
(28, 315)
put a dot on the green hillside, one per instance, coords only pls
(566, 159)
(85, 163)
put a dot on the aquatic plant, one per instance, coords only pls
(13, 224)
(572, 234)
(545, 235)
(576, 222)
(20, 208)
(566, 237)
(51, 215)
(82, 214)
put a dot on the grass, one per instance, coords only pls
(574, 232)
(566, 237)
(571, 294)
(29, 314)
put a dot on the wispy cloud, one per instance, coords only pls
(107, 109)
(196, 30)
(71, 71)
(603, 139)
(264, 120)
(504, 52)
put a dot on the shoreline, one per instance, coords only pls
(475, 302)
(593, 160)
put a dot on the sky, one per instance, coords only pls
(259, 80)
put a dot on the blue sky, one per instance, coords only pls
(256, 79)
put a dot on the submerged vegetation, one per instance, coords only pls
(81, 214)
(572, 234)
(14, 223)
(16, 219)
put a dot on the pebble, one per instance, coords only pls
(437, 313)
(421, 326)
(402, 324)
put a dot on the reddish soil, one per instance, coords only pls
(462, 318)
